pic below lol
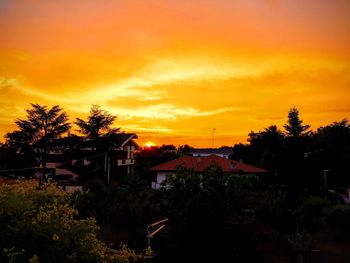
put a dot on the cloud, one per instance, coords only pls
(165, 112)
(147, 130)
(6, 83)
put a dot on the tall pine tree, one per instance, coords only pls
(294, 127)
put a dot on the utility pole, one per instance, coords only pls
(212, 137)
(108, 168)
(105, 167)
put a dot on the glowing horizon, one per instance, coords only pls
(174, 70)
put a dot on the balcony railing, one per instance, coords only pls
(125, 162)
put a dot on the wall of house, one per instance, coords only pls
(59, 171)
(161, 177)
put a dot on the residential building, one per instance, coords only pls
(106, 155)
(199, 164)
(224, 152)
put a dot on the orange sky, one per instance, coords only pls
(174, 70)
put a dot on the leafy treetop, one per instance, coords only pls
(97, 122)
(41, 126)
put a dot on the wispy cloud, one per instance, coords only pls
(6, 83)
(165, 112)
(150, 130)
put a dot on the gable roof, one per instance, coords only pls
(226, 151)
(200, 164)
(113, 141)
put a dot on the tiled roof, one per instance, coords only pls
(200, 164)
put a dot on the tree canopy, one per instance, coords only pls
(41, 225)
(41, 126)
(98, 122)
(294, 127)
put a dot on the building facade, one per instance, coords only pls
(199, 164)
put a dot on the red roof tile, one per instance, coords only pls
(200, 164)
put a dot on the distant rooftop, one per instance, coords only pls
(225, 151)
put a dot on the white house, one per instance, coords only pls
(222, 152)
(198, 164)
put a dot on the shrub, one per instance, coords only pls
(338, 216)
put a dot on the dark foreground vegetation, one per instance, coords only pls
(214, 218)
(297, 212)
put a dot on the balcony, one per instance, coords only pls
(125, 162)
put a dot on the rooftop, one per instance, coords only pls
(211, 151)
(200, 164)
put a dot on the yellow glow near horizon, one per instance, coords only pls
(173, 70)
(149, 144)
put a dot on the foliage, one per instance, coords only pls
(299, 157)
(98, 122)
(310, 213)
(338, 216)
(268, 145)
(211, 216)
(273, 209)
(10, 158)
(294, 126)
(184, 149)
(152, 156)
(332, 151)
(39, 224)
(40, 128)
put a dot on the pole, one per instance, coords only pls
(105, 168)
(148, 238)
(108, 169)
(325, 177)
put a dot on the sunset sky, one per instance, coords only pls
(174, 70)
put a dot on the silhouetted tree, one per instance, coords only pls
(272, 142)
(97, 122)
(264, 149)
(149, 157)
(41, 127)
(294, 126)
(295, 165)
(184, 149)
(10, 158)
(332, 151)
(245, 153)
(270, 138)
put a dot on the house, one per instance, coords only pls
(199, 164)
(111, 155)
(222, 152)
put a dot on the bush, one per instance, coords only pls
(339, 217)
(40, 225)
(310, 213)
